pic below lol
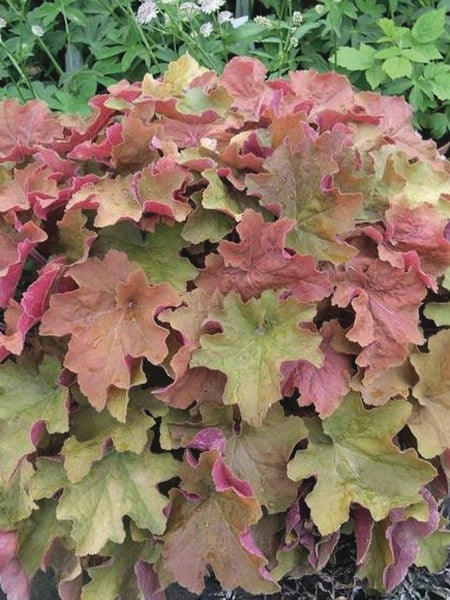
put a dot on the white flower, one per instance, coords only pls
(263, 21)
(320, 9)
(210, 6)
(224, 16)
(189, 7)
(239, 21)
(37, 30)
(206, 29)
(147, 12)
(293, 42)
(3, 23)
(297, 17)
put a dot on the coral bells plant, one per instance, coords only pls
(225, 335)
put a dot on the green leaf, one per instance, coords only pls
(15, 501)
(388, 52)
(225, 199)
(375, 76)
(433, 550)
(379, 555)
(117, 578)
(48, 478)
(257, 337)
(36, 535)
(203, 224)
(118, 485)
(157, 253)
(430, 419)
(429, 26)
(439, 124)
(40, 399)
(437, 311)
(397, 66)
(355, 59)
(441, 85)
(92, 430)
(355, 461)
(391, 31)
(422, 53)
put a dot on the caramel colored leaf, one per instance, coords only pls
(258, 456)
(259, 261)
(386, 301)
(430, 418)
(111, 319)
(219, 507)
(299, 185)
(114, 199)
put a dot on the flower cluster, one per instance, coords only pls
(147, 12)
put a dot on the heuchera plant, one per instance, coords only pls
(225, 335)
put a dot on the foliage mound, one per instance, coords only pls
(225, 335)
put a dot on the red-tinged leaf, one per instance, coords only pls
(148, 581)
(363, 532)
(222, 507)
(386, 302)
(189, 318)
(24, 128)
(184, 134)
(13, 581)
(197, 384)
(324, 386)
(81, 128)
(299, 186)
(323, 91)
(259, 262)
(15, 245)
(299, 525)
(111, 319)
(245, 80)
(417, 230)
(257, 456)
(29, 184)
(20, 318)
(395, 126)
(114, 199)
(75, 240)
(99, 151)
(132, 151)
(61, 168)
(404, 534)
(391, 383)
(247, 154)
(160, 187)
